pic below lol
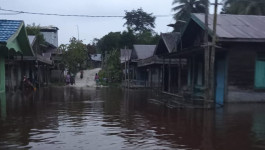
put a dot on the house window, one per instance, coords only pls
(260, 71)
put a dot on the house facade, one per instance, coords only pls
(14, 44)
(126, 65)
(50, 34)
(239, 68)
(171, 67)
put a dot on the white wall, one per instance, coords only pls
(51, 37)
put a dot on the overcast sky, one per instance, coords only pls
(89, 28)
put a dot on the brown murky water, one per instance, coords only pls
(109, 118)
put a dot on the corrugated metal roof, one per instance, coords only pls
(96, 57)
(244, 27)
(144, 51)
(125, 55)
(170, 40)
(8, 28)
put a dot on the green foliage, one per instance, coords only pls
(244, 7)
(127, 39)
(35, 30)
(184, 8)
(75, 55)
(139, 21)
(112, 68)
(117, 40)
(109, 42)
(147, 37)
(62, 48)
(139, 31)
(92, 48)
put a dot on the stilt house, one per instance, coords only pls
(239, 58)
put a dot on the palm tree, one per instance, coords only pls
(185, 7)
(244, 7)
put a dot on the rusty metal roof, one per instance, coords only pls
(235, 27)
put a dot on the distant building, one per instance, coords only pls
(96, 60)
(50, 34)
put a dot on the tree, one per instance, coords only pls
(244, 7)
(75, 55)
(35, 30)
(92, 48)
(185, 7)
(147, 37)
(127, 39)
(139, 21)
(109, 42)
(112, 68)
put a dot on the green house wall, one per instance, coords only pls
(17, 44)
(2, 74)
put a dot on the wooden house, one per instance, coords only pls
(51, 51)
(169, 65)
(40, 64)
(14, 43)
(126, 64)
(137, 76)
(239, 68)
(141, 52)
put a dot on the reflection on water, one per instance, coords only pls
(107, 118)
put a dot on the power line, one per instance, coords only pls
(9, 13)
(16, 12)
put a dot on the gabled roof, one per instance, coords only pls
(8, 28)
(13, 36)
(167, 42)
(96, 57)
(170, 40)
(125, 55)
(245, 28)
(144, 51)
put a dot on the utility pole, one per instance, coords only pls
(125, 53)
(206, 54)
(128, 69)
(212, 58)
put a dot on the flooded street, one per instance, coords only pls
(110, 118)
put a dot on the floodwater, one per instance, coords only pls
(112, 119)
